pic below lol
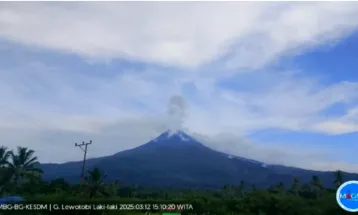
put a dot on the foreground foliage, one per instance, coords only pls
(19, 176)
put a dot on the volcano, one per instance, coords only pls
(175, 159)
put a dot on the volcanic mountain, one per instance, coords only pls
(175, 159)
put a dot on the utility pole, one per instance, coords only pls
(84, 158)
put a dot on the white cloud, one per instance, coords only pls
(108, 115)
(336, 127)
(181, 34)
(339, 125)
(52, 106)
(286, 102)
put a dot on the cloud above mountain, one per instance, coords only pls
(179, 34)
(120, 73)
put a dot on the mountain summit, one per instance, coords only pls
(175, 159)
(172, 138)
(175, 134)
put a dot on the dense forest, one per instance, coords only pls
(20, 176)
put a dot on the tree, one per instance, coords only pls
(58, 185)
(242, 187)
(229, 190)
(4, 156)
(281, 188)
(4, 172)
(94, 181)
(112, 188)
(23, 165)
(295, 186)
(316, 182)
(317, 185)
(338, 178)
(5, 178)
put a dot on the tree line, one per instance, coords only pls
(20, 175)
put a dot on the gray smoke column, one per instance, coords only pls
(177, 107)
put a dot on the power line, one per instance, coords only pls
(84, 157)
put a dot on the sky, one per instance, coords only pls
(272, 81)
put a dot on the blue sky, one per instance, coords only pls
(276, 82)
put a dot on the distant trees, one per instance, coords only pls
(19, 170)
(112, 188)
(281, 187)
(295, 186)
(58, 185)
(242, 187)
(338, 178)
(316, 183)
(94, 181)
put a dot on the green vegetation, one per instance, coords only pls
(19, 175)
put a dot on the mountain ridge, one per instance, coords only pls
(175, 159)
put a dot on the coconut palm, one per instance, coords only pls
(94, 181)
(23, 165)
(4, 156)
(5, 178)
(5, 174)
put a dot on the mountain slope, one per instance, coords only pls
(174, 159)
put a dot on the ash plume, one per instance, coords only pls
(176, 111)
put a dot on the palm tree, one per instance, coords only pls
(4, 156)
(23, 165)
(338, 175)
(94, 181)
(4, 172)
